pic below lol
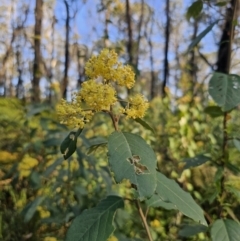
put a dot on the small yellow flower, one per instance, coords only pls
(137, 108)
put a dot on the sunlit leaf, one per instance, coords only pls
(195, 161)
(234, 168)
(214, 111)
(156, 201)
(191, 230)
(69, 144)
(225, 230)
(195, 9)
(52, 167)
(225, 89)
(218, 174)
(236, 143)
(221, 4)
(200, 36)
(130, 157)
(35, 180)
(95, 224)
(31, 208)
(169, 191)
(234, 191)
(144, 124)
(36, 109)
(93, 148)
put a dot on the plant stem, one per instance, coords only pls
(144, 220)
(225, 117)
(114, 120)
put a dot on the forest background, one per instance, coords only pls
(44, 46)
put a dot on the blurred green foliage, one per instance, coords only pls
(41, 192)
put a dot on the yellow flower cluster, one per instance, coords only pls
(137, 107)
(71, 114)
(98, 96)
(26, 165)
(112, 238)
(50, 239)
(98, 93)
(7, 157)
(107, 67)
(102, 65)
(73, 165)
(155, 223)
(43, 212)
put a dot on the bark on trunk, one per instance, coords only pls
(37, 52)
(66, 65)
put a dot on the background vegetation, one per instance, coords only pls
(44, 46)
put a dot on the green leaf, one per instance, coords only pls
(93, 148)
(53, 141)
(130, 157)
(200, 36)
(169, 191)
(95, 224)
(225, 230)
(221, 4)
(234, 191)
(195, 161)
(35, 180)
(235, 169)
(129, 239)
(195, 9)
(52, 167)
(156, 201)
(31, 208)
(69, 144)
(219, 173)
(144, 124)
(191, 230)
(211, 197)
(224, 89)
(122, 237)
(36, 109)
(214, 111)
(236, 143)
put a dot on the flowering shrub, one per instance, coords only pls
(130, 157)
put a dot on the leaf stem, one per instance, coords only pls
(144, 220)
(222, 163)
(225, 117)
(114, 118)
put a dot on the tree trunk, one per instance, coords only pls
(167, 35)
(37, 51)
(129, 29)
(66, 65)
(225, 45)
